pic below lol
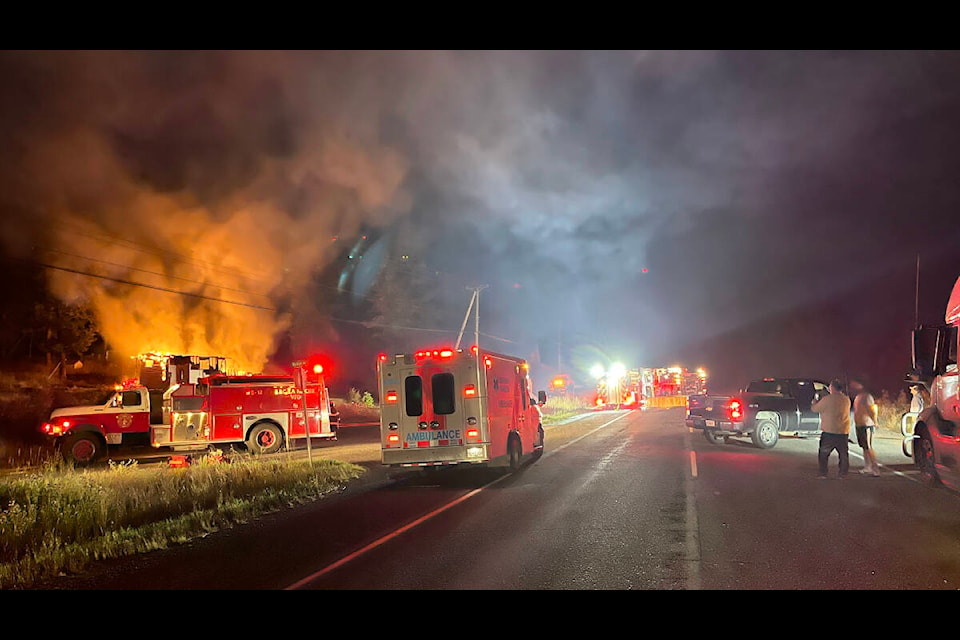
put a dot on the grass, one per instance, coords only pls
(561, 407)
(889, 410)
(56, 521)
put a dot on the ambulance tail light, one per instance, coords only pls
(391, 397)
(735, 409)
(472, 432)
(393, 438)
(470, 391)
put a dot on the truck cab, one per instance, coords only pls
(83, 433)
(931, 437)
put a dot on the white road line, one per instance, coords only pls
(692, 525)
(393, 534)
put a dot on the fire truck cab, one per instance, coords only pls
(450, 406)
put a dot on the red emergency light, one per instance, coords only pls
(470, 391)
(393, 437)
(391, 396)
(473, 433)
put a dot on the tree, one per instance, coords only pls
(68, 330)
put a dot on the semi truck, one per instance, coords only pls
(931, 436)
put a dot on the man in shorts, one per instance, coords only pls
(865, 423)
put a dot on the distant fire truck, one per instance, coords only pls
(200, 408)
(672, 381)
(619, 389)
(450, 406)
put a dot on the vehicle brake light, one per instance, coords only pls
(393, 437)
(391, 396)
(470, 390)
(473, 433)
(736, 409)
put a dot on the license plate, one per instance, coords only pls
(710, 423)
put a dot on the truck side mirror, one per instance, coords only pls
(541, 397)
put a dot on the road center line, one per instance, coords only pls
(394, 534)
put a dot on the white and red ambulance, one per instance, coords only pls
(450, 406)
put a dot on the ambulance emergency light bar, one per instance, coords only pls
(445, 353)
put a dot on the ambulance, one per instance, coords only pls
(454, 407)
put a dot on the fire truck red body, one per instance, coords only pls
(449, 407)
(262, 412)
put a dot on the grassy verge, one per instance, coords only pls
(58, 520)
(561, 407)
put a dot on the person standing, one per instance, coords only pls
(865, 423)
(834, 410)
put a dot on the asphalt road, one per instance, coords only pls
(619, 501)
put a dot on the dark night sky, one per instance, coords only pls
(779, 200)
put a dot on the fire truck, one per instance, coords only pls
(200, 408)
(454, 407)
(662, 382)
(619, 391)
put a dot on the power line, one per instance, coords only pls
(156, 273)
(149, 286)
(235, 302)
(106, 238)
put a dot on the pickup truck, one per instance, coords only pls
(764, 410)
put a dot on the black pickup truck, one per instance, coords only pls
(764, 410)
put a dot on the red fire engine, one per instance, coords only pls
(619, 389)
(449, 406)
(194, 412)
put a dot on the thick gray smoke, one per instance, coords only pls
(554, 177)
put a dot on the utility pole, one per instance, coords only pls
(475, 305)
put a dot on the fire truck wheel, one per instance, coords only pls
(713, 438)
(82, 449)
(765, 435)
(264, 438)
(513, 450)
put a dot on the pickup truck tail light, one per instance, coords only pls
(735, 409)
